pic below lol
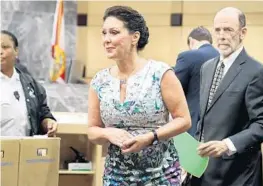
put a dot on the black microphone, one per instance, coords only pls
(17, 96)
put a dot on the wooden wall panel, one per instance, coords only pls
(159, 46)
(207, 19)
(151, 20)
(147, 7)
(255, 19)
(177, 6)
(165, 42)
(253, 42)
(81, 44)
(82, 6)
(210, 7)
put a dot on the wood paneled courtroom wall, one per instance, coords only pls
(165, 41)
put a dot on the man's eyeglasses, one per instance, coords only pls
(226, 31)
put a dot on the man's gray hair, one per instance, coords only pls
(242, 19)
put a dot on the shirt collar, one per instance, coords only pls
(15, 76)
(2, 76)
(230, 59)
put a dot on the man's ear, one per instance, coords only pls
(191, 43)
(16, 51)
(243, 33)
(135, 38)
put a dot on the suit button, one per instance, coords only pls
(27, 100)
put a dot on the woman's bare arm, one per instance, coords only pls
(175, 101)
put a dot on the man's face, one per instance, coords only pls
(228, 34)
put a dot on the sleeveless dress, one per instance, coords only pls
(142, 111)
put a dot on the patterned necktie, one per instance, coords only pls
(216, 82)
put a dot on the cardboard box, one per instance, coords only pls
(9, 161)
(39, 162)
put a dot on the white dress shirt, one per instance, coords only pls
(230, 60)
(14, 120)
(228, 63)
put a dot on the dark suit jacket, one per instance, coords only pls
(236, 112)
(187, 70)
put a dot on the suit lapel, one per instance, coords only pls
(208, 73)
(229, 77)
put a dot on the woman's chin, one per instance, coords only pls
(111, 56)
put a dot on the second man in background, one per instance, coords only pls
(188, 66)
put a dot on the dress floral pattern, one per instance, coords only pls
(142, 111)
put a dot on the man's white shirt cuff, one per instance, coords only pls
(231, 147)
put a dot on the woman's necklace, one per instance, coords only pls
(124, 81)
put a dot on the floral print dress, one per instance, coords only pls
(142, 111)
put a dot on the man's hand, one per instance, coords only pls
(50, 127)
(212, 148)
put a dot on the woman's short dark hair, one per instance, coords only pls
(13, 37)
(132, 20)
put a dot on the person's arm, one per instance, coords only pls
(96, 130)
(249, 137)
(47, 120)
(44, 110)
(182, 71)
(254, 103)
(174, 99)
(175, 102)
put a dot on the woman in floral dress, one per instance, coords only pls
(129, 105)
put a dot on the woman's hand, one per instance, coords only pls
(117, 136)
(137, 143)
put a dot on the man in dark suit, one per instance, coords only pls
(188, 67)
(231, 102)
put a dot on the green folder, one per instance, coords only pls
(190, 161)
